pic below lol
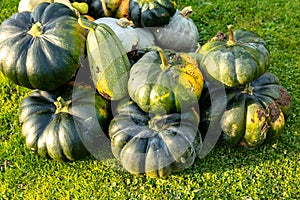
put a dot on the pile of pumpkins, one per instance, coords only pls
(132, 73)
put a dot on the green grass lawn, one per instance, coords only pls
(270, 172)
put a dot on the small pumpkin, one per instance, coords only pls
(254, 113)
(62, 124)
(152, 12)
(126, 33)
(109, 64)
(180, 34)
(154, 145)
(235, 60)
(42, 49)
(165, 81)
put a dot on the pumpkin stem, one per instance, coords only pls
(124, 22)
(36, 30)
(62, 105)
(248, 89)
(231, 40)
(87, 24)
(186, 12)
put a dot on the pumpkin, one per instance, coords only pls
(132, 38)
(254, 113)
(234, 60)
(154, 145)
(29, 5)
(109, 64)
(42, 49)
(180, 34)
(62, 124)
(165, 81)
(151, 12)
(95, 8)
(127, 34)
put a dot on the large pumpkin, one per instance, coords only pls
(165, 81)
(234, 60)
(62, 124)
(41, 49)
(151, 12)
(109, 64)
(254, 113)
(154, 145)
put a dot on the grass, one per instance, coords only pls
(270, 172)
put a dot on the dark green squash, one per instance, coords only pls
(254, 113)
(234, 60)
(147, 13)
(64, 123)
(108, 60)
(42, 49)
(154, 145)
(165, 81)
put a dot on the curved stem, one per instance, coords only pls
(87, 24)
(231, 40)
(186, 12)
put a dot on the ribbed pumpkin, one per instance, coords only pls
(254, 113)
(165, 81)
(154, 145)
(109, 64)
(42, 49)
(151, 12)
(180, 34)
(234, 60)
(57, 124)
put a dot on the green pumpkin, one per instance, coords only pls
(165, 81)
(148, 13)
(234, 60)
(254, 113)
(108, 61)
(42, 49)
(154, 145)
(61, 124)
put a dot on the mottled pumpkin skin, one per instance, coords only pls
(154, 145)
(47, 57)
(234, 64)
(147, 13)
(109, 64)
(253, 114)
(64, 131)
(165, 90)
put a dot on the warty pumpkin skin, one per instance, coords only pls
(165, 81)
(109, 64)
(57, 124)
(235, 60)
(154, 145)
(42, 49)
(254, 113)
(147, 13)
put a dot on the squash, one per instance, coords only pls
(236, 60)
(165, 81)
(151, 12)
(29, 5)
(42, 49)
(127, 34)
(132, 38)
(109, 64)
(180, 34)
(63, 124)
(157, 145)
(254, 113)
